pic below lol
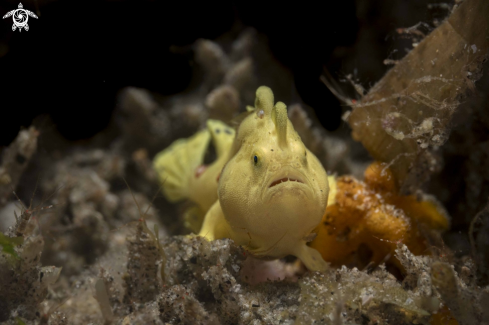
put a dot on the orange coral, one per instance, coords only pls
(364, 221)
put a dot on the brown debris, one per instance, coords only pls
(410, 108)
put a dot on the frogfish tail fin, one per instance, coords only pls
(280, 119)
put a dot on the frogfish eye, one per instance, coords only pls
(255, 159)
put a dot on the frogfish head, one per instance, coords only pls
(272, 183)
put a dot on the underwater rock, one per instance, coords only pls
(177, 305)
(142, 266)
(15, 159)
(210, 271)
(223, 103)
(354, 297)
(211, 57)
(23, 280)
(148, 314)
(241, 75)
(142, 120)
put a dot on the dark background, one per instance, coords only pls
(78, 54)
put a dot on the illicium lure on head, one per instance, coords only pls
(270, 190)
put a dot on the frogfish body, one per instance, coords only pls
(269, 190)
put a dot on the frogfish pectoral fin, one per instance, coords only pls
(215, 225)
(311, 258)
(193, 218)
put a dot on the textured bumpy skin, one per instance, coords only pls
(273, 191)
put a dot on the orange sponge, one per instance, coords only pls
(364, 221)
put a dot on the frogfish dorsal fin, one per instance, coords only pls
(280, 118)
(264, 100)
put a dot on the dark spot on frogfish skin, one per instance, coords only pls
(227, 131)
(20, 158)
(218, 130)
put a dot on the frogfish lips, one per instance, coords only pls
(284, 180)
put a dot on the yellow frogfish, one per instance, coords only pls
(265, 190)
